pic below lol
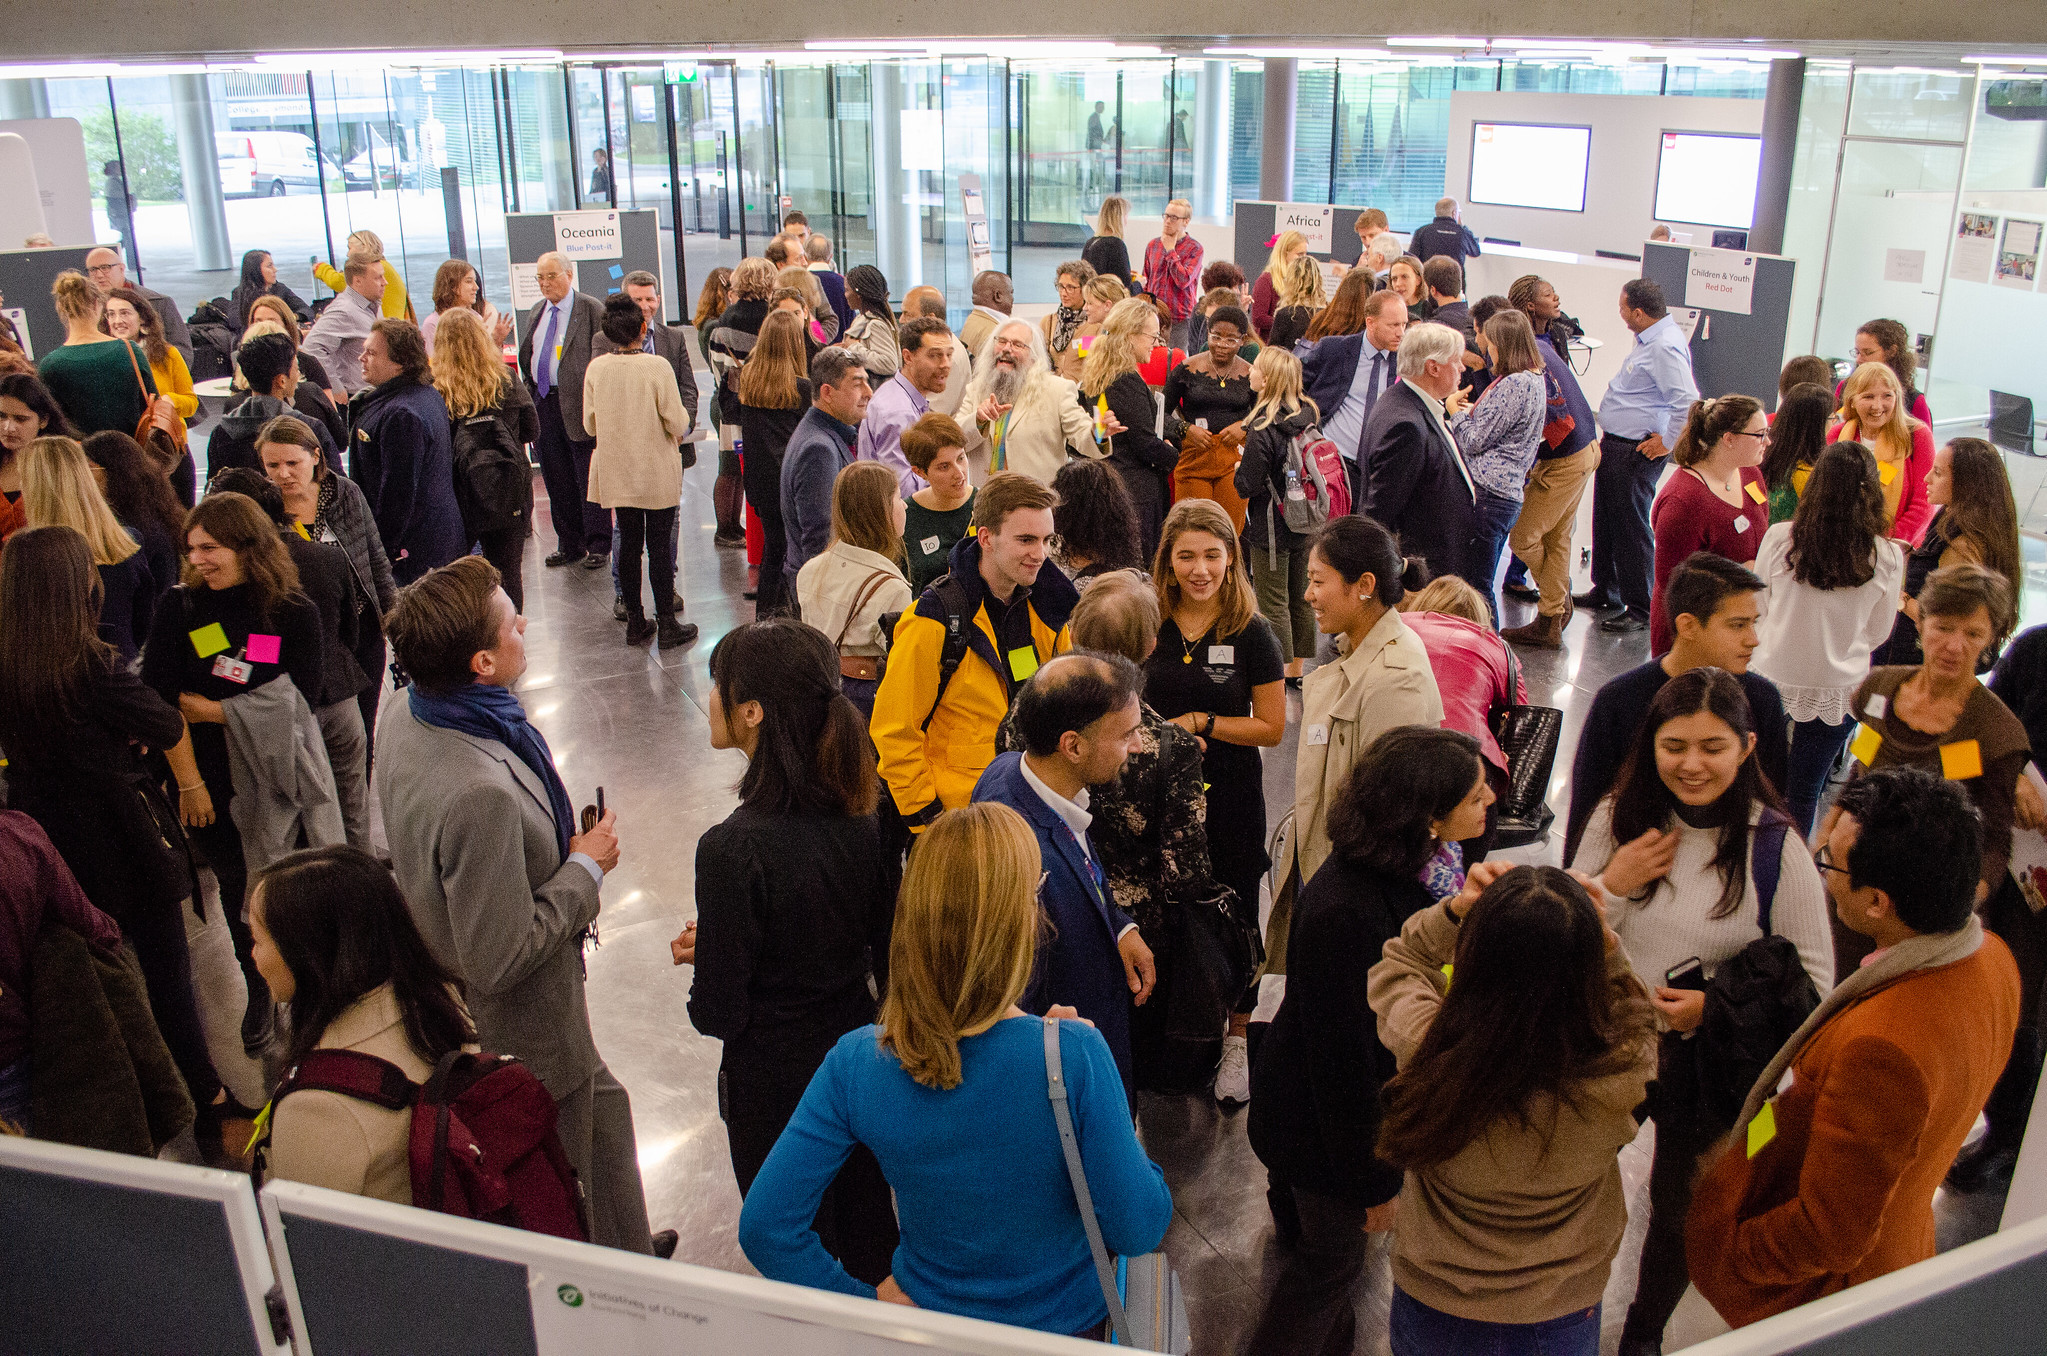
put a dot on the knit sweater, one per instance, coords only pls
(1675, 922)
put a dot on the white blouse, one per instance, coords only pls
(1815, 643)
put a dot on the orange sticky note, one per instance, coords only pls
(1755, 492)
(1886, 471)
(1865, 745)
(1961, 760)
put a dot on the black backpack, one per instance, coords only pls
(493, 478)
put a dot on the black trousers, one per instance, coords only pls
(1623, 550)
(651, 530)
(1313, 1309)
(580, 527)
(371, 653)
(856, 1221)
(506, 549)
(1680, 1140)
(762, 473)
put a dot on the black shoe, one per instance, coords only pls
(1981, 1164)
(638, 631)
(1593, 600)
(1625, 623)
(750, 594)
(594, 561)
(1522, 593)
(557, 559)
(1294, 683)
(729, 541)
(664, 1244)
(618, 609)
(674, 633)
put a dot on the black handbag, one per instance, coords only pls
(1528, 736)
(1212, 952)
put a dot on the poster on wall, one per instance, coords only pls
(1313, 220)
(1975, 248)
(526, 292)
(1720, 280)
(588, 235)
(2018, 259)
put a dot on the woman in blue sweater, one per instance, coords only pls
(949, 1093)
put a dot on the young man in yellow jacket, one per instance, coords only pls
(936, 734)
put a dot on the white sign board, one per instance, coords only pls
(525, 287)
(1313, 220)
(1720, 280)
(923, 139)
(64, 185)
(588, 235)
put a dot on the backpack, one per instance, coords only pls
(961, 635)
(483, 1143)
(493, 478)
(1316, 488)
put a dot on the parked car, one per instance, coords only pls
(378, 162)
(274, 162)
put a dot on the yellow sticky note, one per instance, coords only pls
(1865, 745)
(1755, 492)
(300, 528)
(1447, 969)
(1886, 471)
(1762, 1129)
(1961, 760)
(209, 640)
(1023, 662)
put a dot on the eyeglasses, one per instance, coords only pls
(1824, 859)
(1744, 433)
(1179, 216)
(101, 268)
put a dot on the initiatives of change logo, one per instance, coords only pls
(569, 1295)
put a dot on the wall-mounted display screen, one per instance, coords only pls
(1522, 164)
(1708, 178)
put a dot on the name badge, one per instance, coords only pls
(1741, 523)
(1877, 705)
(1315, 734)
(1222, 654)
(928, 546)
(232, 669)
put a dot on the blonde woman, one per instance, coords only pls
(858, 579)
(1278, 554)
(948, 1091)
(469, 371)
(397, 306)
(57, 490)
(1105, 251)
(1289, 246)
(1115, 391)
(101, 382)
(1298, 297)
(824, 322)
(1098, 296)
(1873, 413)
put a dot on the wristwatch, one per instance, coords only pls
(1209, 728)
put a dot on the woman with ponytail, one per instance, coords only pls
(1717, 501)
(794, 904)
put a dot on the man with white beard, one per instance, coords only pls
(1025, 417)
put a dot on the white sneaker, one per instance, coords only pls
(1233, 1076)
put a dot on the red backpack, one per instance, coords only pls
(483, 1142)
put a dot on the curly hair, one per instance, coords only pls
(1095, 520)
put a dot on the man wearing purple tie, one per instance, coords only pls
(558, 343)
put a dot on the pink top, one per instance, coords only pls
(1688, 517)
(1472, 675)
(1905, 502)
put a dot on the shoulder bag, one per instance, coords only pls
(865, 666)
(1528, 736)
(1147, 1312)
(165, 449)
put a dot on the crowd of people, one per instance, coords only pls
(1029, 600)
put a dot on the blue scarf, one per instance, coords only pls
(491, 712)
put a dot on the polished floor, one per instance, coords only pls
(633, 721)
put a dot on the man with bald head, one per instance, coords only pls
(928, 302)
(557, 341)
(107, 272)
(993, 299)
(1078, 717)
(1020, 415)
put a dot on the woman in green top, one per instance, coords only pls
(102, 382)
(1798, 434)
(937, 516)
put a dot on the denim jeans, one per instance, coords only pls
(1815, 745)
(1419, 1330)
(1497, 515)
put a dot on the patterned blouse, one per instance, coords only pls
(1501, 434)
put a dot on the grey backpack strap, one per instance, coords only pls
(1105, 1270)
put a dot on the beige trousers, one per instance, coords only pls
(1542, 534)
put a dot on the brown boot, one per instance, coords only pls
(1545, 632)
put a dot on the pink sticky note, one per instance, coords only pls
(263, 649)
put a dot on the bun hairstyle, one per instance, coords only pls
(77, 296)
(1355, 546)
(1709, 422)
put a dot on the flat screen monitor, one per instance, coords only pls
(1708, 178)
(1525, 164)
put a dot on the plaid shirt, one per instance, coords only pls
(1172, 275)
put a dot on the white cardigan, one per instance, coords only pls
(831, 582)
(633, 408)
(1815, 643)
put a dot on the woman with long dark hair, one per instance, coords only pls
(1095, 521)
(1834, 579)
(795, 901)
(57, 489)
(141, 497)
(773, 396)
(1516, 1093)
(458, 288)
(1679, 845)
(872, 334)
(1315, 1114)
(129, 316)
(1798, 434)
(337, 945)
(1975, 522)
(237, 623)
(259, 279)
(27, 412)
(74, 726)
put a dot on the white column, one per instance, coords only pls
(1276, 159)
(898, 251)
(1211, 194)
(199, 160)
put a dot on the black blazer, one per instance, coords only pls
(1142, 459)
(581, 328)
(1315, 1086)
(1413, 485)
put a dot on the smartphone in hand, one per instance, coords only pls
(1686, 974)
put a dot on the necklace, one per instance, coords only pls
(1188, 647)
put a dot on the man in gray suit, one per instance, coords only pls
(666, 341)
(560, 339)
(502, 886)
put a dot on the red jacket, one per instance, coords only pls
(1881, 1098)
(1472, 675)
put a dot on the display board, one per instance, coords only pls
(111, 1255)
(1708, 178)
(1331, 229)
(1743, 303)
(63, 181)
(25, 278)
(604, 244)
(1521, 164)
(368, 1278)
(1994, 305)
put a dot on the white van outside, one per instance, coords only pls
(273, 161)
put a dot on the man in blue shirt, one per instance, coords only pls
(1644, 411)
(906, 397)
(1346, 374)
(820, 448)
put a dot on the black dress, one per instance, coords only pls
(1142, 458)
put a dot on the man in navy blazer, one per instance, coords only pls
(1346, 374)
(1415, 480)
(1078, 716)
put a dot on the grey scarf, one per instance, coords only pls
(1927, 952)
(1065, 323)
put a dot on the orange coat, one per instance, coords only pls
(1883, 1096)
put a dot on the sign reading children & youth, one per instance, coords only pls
(589, 235)
(1720, 280)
